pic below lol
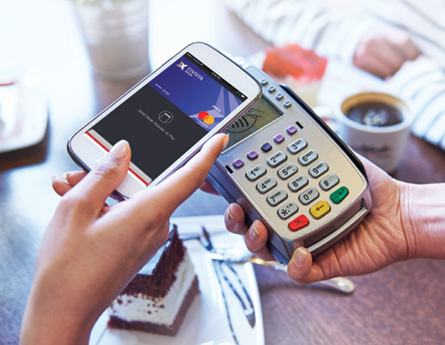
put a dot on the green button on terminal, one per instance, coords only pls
(339, 194)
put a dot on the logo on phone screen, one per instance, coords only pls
(182, 65)
(204, 116)
(165, 117)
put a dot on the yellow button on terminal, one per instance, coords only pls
(320, 209)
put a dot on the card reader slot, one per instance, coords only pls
(229, 169)
(336, 235)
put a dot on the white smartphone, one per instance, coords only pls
(168, 116)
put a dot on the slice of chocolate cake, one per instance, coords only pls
(157, 299)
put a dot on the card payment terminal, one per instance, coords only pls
(286, 167)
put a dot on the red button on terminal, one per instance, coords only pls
(299, 223)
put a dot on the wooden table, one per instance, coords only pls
(402, 304)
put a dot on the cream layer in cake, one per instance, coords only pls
(159, 310)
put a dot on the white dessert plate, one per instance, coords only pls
(206, 322)
(23, 110)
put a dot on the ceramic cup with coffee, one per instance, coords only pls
(376, 125)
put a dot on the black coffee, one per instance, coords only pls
(375, 114)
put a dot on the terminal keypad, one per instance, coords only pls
(284, 177)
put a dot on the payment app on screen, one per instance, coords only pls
(167, 116)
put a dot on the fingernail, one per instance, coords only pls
(300, 257)
(230, 219)
(53, 177)
(226, 141)
(120, 150)
(65, 176)
(254, 233)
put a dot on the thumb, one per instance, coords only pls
(300, 267)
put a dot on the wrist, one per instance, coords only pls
(423, 220)
(49, 321)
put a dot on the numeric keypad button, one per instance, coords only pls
(287, 171)
(297, 146)
(266, 185)
(329, 181)
(297, 183)
(318, 169)
(276, 159)
(308, 157)
(308, 196)
(288, 210)
(256, 172)
(277, 197)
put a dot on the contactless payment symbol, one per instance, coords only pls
(244, 123)
(204, 116)
(165, 117)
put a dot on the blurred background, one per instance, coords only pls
(49, 89)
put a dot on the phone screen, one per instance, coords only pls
(167, 116)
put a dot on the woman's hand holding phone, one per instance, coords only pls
(90, 251)
(168, 116)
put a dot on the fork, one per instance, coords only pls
(246, 302)
(340, 284)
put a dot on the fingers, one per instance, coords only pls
(389, 54)
(378, 178)
(403, 43)
(102, 180)
(381, 62)
(383, 51)
(301, 267)
(62, 185)
(255, 236)
(74, 177)
(208, 188)
(256, 240)
(235, 220)
(169, 194)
